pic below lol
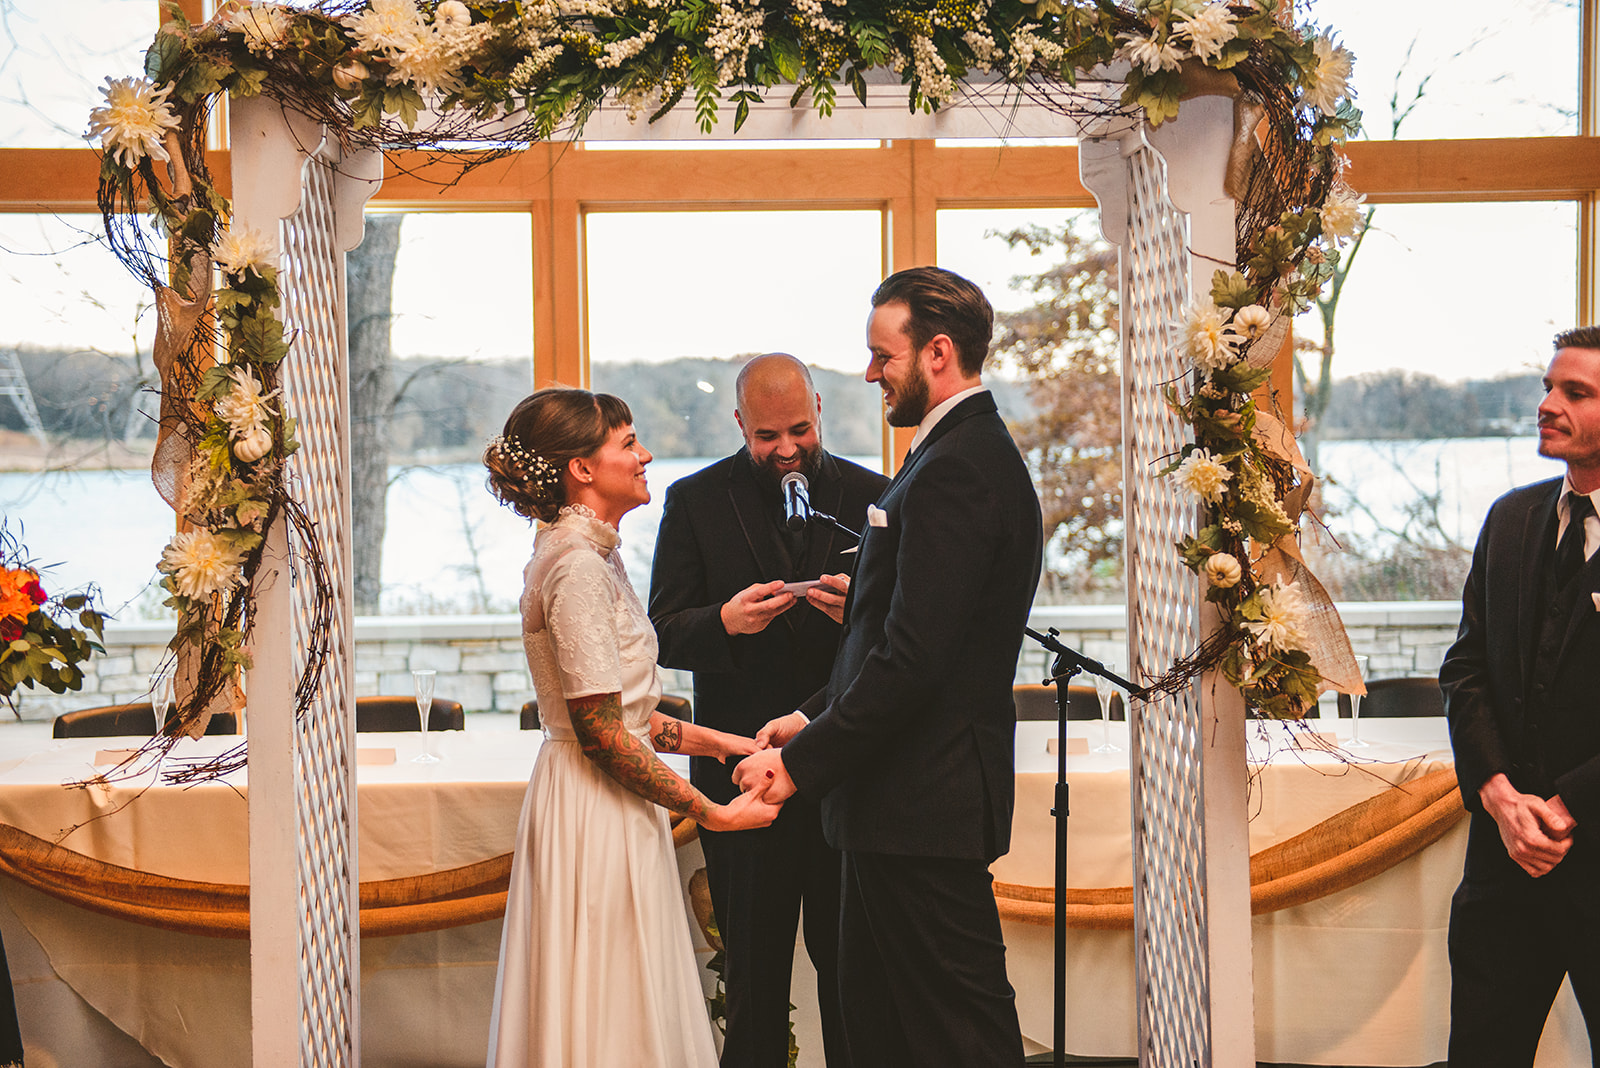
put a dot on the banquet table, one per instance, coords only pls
(1358, 977)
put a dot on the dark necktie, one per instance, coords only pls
(1569, 550)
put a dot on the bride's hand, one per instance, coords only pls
(735, 745)
(747, 811)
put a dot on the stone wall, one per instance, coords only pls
(480, 661)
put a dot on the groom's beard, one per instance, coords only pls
(810, 465)
(911, 399)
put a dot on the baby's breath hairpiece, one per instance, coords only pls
(539, 472)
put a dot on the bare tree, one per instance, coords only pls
(1066, 348)
(369, 286)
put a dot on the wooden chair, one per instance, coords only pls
(130, 720)
(1036, 702)
(1411, 695)
(671, 704)
(400, 714)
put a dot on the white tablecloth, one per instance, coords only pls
(1359, 977)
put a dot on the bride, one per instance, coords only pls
(596, 965)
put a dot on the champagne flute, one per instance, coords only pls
(422, 679)
(161, 699)
(1355, 741)
(1105, 690)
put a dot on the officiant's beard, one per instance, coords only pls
(810, 465)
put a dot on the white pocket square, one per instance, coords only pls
(877, 517)
(1595, 597)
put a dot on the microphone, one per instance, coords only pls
(796, 500)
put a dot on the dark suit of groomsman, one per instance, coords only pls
(911, 746)
(1522, 693)
(756, 653)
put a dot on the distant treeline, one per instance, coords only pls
(446, 409)
(1404, 405)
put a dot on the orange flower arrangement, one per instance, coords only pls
(38, 648)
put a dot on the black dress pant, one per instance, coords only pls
(922, 965)
(758, 881)
(1512, 941)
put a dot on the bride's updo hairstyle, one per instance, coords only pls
(544, 432)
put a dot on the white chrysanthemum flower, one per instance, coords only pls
(238, 251)
(265, 27)
(387, 26)
(1329, 79)
(1206, 338)
(134, 120)
(1222, 570)
(245, 407)
(1283, 624)
(1151, 54)
(1342, 215)
(453, 12)
(1251, 321)
(201, 563)
(1204, 475)
(1209, 29)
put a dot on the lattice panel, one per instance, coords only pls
(311, 279)
(1163, 625)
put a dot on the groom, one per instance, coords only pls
(910, 746)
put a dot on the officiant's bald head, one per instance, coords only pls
(780, 413)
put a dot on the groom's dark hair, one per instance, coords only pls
(942, 302)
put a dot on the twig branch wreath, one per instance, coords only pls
(503, 73)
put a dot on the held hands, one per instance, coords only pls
(752, 608)
(777, 732)
(734, 745)
(763, 773)
(1537, 833)
(830, 601)
(753, 808)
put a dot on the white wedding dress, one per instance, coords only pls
(596, 966)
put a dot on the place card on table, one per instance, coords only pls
(375, 756)
(1075, 746)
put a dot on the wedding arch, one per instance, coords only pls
(1208, 136)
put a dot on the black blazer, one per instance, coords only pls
(912, 745)
(718, 536)
(1546, 743)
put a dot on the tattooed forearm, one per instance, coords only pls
(669, 736)
(597, 721)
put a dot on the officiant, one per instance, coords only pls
(722, 555)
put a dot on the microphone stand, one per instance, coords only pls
(1068, 663)
(812, 513)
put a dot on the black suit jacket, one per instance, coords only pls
(912, 745)
(1546, 743)
(718, 536)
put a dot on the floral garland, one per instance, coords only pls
(36, 648)
(536, 69)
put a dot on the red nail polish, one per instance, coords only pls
(771, 775)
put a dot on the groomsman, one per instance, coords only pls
(723, 554)
(911, 748)
(1519, 689)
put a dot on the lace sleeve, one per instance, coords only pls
(580, 610)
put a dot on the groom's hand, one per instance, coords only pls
(765, 767)
(777, 732)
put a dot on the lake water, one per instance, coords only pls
(451, 547)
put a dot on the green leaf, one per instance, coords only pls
(1241, 377)
(786, 57)
(246, 81)
(162, 58)
(1230, 289)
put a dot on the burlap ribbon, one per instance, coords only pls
(1355, 845)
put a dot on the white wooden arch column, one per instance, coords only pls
(1162, 204)
(292, 183)
(1161, 198)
